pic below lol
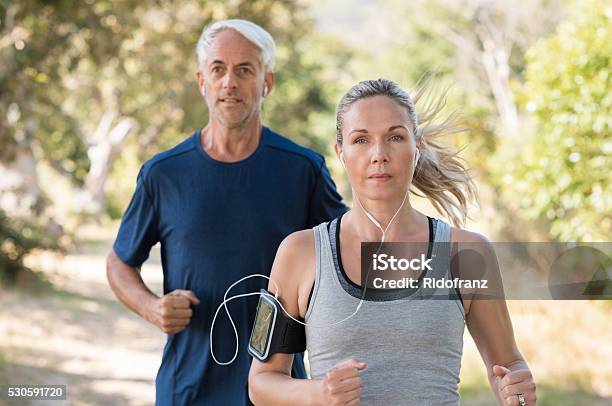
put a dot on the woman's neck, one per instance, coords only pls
(406, 222)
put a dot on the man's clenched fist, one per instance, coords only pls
(172, 312)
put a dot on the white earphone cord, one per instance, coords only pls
(275, 297)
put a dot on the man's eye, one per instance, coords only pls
(216, 69)
(360, 141)
(244, 70)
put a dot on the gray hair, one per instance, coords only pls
(371, 88)
(251, 31)
(440, 174)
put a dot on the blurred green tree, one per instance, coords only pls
(18, 237)
(564, 175)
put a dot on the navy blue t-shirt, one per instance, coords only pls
(216, 223)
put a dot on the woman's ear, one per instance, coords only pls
(340, 154)
(420, 144)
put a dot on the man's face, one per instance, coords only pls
(232, 80)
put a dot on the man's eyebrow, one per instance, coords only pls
(220, 62)
(360, 130)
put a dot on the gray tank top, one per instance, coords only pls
(412, 346)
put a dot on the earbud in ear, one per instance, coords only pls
(418, 155)
(265, 91)
(342, 160)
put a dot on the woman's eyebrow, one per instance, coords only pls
(393, 127)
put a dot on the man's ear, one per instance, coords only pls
(201, 83)
(269, 79)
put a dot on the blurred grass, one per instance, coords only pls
(479, 394)
(568, 347)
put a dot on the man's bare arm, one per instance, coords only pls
(171, 312)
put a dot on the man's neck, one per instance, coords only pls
(231, 144)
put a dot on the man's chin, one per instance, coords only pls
(232, 123)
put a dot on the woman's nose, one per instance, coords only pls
(379, 155)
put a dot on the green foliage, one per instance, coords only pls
(310, 80)
(565, 173)
(17, 239)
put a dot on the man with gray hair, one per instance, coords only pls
(219, 203)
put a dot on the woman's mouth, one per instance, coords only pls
(382, 176)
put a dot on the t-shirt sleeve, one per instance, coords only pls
(325, 203)
(138, 231)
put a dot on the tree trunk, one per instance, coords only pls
(102, 148)
(20, 193)
(495, 58)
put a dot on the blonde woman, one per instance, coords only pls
(392, 351)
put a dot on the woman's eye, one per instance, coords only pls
(396, 138)
(360, 141)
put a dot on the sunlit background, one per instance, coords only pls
(89, 90)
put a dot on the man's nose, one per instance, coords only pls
(229, 80)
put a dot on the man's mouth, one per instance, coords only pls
(230, 100)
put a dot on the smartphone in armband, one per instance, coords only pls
(274, 331)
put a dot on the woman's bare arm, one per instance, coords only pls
(489, 324)
(270, 383)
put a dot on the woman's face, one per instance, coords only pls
(378, 148)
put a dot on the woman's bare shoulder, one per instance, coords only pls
(296, 251)
(462, 235)
(470, 241)
(293, 270)
(298, 247)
